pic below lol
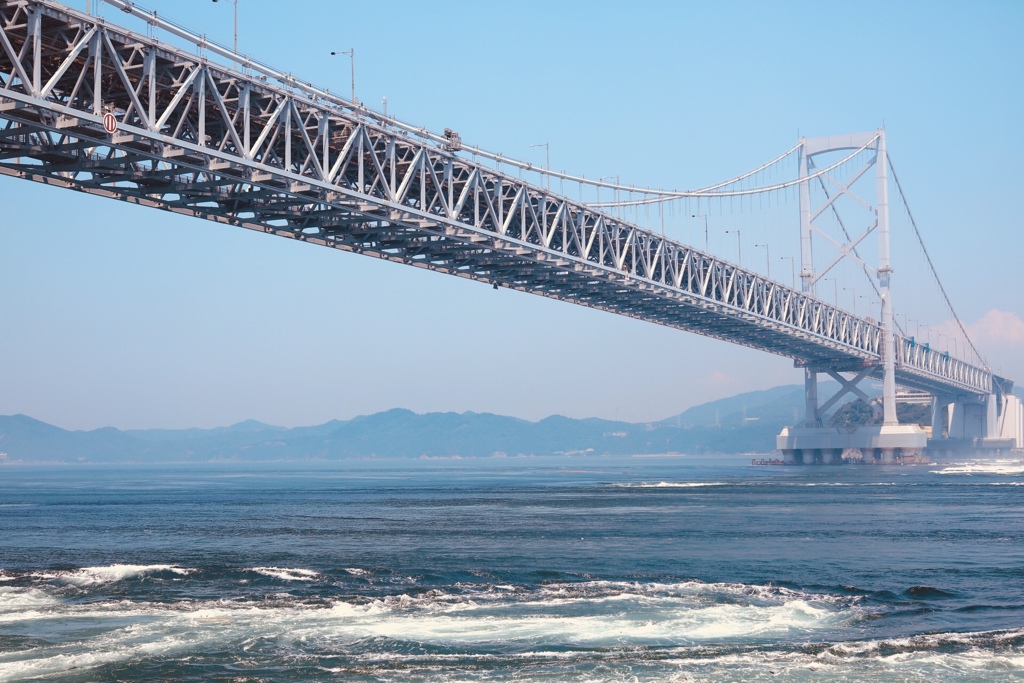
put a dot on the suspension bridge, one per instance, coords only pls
(88, 105)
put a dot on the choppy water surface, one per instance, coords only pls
(582, 569)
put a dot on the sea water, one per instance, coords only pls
(525, 569)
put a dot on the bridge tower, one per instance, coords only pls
(813, 442)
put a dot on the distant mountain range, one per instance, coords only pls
(744, 423)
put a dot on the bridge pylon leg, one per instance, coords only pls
(811, 415)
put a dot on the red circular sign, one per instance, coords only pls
(109, 122)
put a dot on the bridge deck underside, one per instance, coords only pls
(204, 141)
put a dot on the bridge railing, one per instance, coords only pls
(942, 366)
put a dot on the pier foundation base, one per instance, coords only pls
(826, 445)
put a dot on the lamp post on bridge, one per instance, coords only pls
(705, 217)
(739, 246)
(547, 161)
(853, 297)
(235, 43)
(352, 57)
(869, 299)
(767, 260)
(835, 290)
(618, 208)
(792, 269)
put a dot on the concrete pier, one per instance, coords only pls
(827, 444)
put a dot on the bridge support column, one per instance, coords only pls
(811, 418)
(938, 424)
(979, 425)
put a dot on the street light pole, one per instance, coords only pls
(618, 208)
(739, 246)
(767, 260)
(792, 269)
(869, 300)
(352, 57)
(835, 290)
(547, 161)
(705, 217)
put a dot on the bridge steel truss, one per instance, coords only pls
(203, 140)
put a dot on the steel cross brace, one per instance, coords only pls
(846, 387)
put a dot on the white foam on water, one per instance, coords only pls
(705, 663)
(286, 574)
(998, 467)
(92, 576)
(600, 614)
(671, 485)
(707, 631)
(735, 591)
(15, 600)
(978, 657)
(355, 571)
(149, 639)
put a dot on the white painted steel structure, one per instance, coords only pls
(262, 151)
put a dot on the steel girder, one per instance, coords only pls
(206, 141)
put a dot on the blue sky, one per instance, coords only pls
(123, 316)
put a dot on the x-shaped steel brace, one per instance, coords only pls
(847, 387)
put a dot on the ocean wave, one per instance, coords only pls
(286, 574)
(17, 600)
(601, 614)
(355, 571)
(928, 592)
(150, 637)
(93, 576)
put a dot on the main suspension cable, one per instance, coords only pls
(669, 195)
(931, 265)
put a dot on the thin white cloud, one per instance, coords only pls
(998, 328)
(999, 336)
